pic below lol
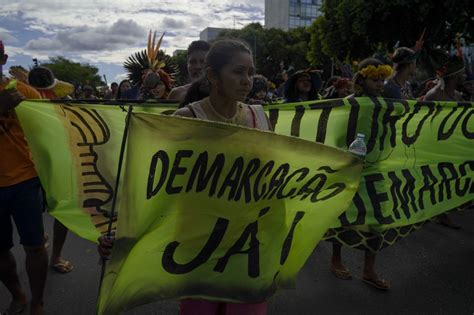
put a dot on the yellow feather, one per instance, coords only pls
(153, 54)
(153, 50)
(149, 43)
(159, 43)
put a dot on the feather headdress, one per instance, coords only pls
(152, 59)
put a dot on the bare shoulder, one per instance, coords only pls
(260, 108)
(458, 96)
(178, 92)
(184, 112)
(432, 95)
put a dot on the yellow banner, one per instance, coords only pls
(219, 212)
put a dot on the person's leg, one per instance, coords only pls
(37, 269)
(369, 275)
(59, 238)
(446, 221)
(9, 277)
(8, 271)
(28, 216)
(337, 267)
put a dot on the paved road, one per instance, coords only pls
(431, 272)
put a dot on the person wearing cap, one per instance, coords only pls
(43, 80)
(302, 86)
(404, 65)
(451, 76)
(20, 199)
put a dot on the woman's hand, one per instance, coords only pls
(106, 242)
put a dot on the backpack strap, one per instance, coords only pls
(197, 110)
(261, 118)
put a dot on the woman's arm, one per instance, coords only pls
(184, 112)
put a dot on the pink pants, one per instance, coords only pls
(203, 307)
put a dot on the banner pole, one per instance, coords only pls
(103, 261)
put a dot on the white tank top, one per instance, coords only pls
(252, 116)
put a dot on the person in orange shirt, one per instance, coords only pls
(43, 80)
(20, 199)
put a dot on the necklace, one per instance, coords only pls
(222, 118)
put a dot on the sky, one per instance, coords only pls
(104, 33)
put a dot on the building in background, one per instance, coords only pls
(211, 33)
(288, 14)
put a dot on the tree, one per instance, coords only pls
(74, 72)
(316, 55)
(354, 29)
(181, 61)
(273, 47)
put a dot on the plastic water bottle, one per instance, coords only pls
(358, 147)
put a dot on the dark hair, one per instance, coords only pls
(332, 91)
(198, 45)
(119, 92)
(114, 83)
(41, 77)
(402, 57)
(359, 80)
(291, 92)
(196, 92)
(221, 53)
(218, 56)
(260, 83)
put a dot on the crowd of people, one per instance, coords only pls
(223, 86)
(454, 82)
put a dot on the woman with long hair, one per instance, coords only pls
(302, 86)
(229, 69)
(123, 87)
(404, 65)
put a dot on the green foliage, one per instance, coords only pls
(316, 55)
(181, 61)
(74, 72)
(354, 29)
(271, 47)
